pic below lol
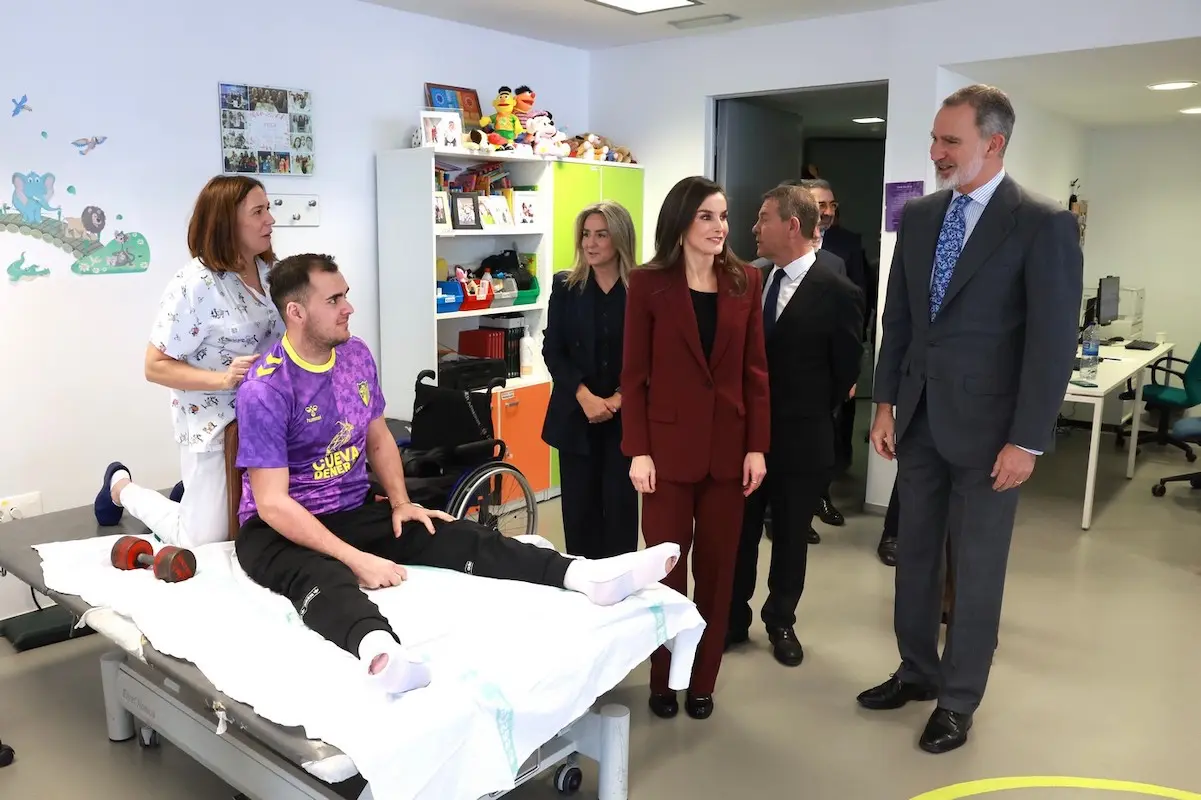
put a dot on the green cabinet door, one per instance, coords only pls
(576, 185)
(624, 185)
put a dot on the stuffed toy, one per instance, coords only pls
(503, 127)
(624, 156)
(588, 147)
(524, 97)
(546, 139)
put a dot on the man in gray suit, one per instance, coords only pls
(979, 338)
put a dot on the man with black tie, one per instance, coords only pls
(812, 318)
(980, 329)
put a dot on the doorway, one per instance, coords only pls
(832, 133)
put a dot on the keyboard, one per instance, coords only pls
(1141, 344)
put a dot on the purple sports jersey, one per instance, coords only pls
(312, 419)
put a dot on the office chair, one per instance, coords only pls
(1185, 430)
(6, 755)
(1166, 400)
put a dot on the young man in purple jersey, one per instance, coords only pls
(310, 419)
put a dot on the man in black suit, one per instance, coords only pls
(847, 245)
(980, 329)
(812, 317)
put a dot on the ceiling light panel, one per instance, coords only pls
(1196, 110)
(645, 6)
(867, 120)
(1172, 86)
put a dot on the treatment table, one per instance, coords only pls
(148, 694)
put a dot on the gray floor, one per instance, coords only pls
(1095, 675)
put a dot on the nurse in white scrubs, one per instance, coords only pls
(215, 318)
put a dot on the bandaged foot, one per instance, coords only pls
(610, 580)
(389, 666)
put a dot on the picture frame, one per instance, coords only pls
(527, 208)
(441, 129)
(498, 211)
(466, 102)
(265, 130)
(442, 220)
(465, 211)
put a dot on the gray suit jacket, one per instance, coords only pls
(995, 364)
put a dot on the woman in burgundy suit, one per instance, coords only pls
(695, 407)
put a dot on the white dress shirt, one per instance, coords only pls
(794, 273)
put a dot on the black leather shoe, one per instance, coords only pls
(813, 537)
(664, 706)
(699, 706)
(785, 647)
(828, 514)
(887, 551)
(946, 731)
(894, 693)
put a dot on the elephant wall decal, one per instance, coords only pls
(31, 195)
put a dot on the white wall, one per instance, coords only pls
(144, 73)
(1144, 222)
(905, 46)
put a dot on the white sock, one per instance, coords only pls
(390, 666)
(610, 580)
(118, 476)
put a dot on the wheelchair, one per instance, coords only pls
(454, 462)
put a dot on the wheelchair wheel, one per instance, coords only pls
(497, 496)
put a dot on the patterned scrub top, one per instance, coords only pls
(207, 319)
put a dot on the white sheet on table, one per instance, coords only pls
(513, 663)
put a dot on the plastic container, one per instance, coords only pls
(477, 301)
(527, 296)
(506, 296)
(527, 354)
(450, 296)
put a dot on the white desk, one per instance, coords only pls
(1116, 367)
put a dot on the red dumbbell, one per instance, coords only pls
(171, 564)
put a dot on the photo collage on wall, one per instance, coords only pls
(266, 130)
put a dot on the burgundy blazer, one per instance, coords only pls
(694, 418)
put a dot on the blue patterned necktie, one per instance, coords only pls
(950, 244)
(771, 302)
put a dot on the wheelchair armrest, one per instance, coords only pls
(484, 449)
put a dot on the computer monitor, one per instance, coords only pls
(1108, 295)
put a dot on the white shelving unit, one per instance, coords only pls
(410, 244)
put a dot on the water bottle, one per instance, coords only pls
(1090, 352)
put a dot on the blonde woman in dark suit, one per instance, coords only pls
(582, 348)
